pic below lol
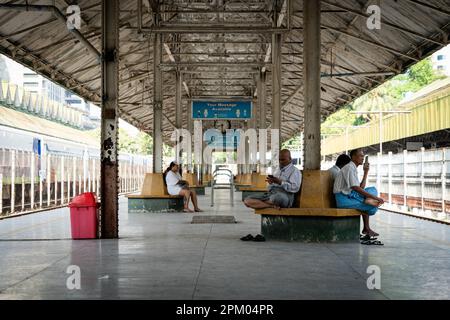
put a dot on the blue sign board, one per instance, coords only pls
(221, 110)
(214, 139)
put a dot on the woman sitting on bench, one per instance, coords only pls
(177, 186)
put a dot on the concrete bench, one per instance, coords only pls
(154, 197)
(314, 217)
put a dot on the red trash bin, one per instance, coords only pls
(83, 216)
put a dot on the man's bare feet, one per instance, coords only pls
(373, 233)
(188, 210)
(198, 210)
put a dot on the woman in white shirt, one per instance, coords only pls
(177, 186)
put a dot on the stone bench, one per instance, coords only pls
(314, 217)
(154, 197)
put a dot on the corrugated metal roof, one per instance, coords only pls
(410, 31)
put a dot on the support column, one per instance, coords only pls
(276, 99)
(109, 123)
(262, 109)
(178, 113)
(311, 78)
(157, 103)
(190, 128)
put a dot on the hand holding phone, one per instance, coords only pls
(366, 165)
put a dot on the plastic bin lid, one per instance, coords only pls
(86, 199)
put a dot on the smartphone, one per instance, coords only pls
(366, 159)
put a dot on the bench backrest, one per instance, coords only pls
(259, 180)
(154, 185)
(246, 179)
(316, 190)
(191, 178)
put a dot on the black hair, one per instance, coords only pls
(169, 168)
(342, 160)
(354, 152)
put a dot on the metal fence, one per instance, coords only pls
(415, 181)
(31, 182)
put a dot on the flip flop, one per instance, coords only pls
(367, 237)
(259, 238)
(372, 243)
(248, 237)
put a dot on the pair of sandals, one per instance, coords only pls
(257, 238)
(369, 240)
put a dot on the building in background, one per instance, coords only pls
(30, 81)
(441, 60)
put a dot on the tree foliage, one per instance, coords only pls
(384, 97)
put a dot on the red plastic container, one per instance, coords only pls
(83, 216)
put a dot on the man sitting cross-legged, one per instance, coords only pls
(352, 194)
(283, 186)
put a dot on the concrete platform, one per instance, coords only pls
(164, 256)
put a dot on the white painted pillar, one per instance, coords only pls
(62, 175)
(443, 180)
(49, 179)
(390, 178)
(32, 173)
(378, 172)
(405, 182)
(13, 180)
(23, 192)
(422, 178)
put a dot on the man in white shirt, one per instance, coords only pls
(350, 193)
(283, 186)
(341, 161)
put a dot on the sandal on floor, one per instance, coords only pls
(259, 238)
(367, 237)
(248, 237)
(372, 243)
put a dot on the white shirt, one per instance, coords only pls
(291, 178)
(172, 179)
(334, 170)
(346, 179)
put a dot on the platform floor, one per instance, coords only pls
(163, 256)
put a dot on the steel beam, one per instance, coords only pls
(215, 29)
(311, 69)
(109, 122)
